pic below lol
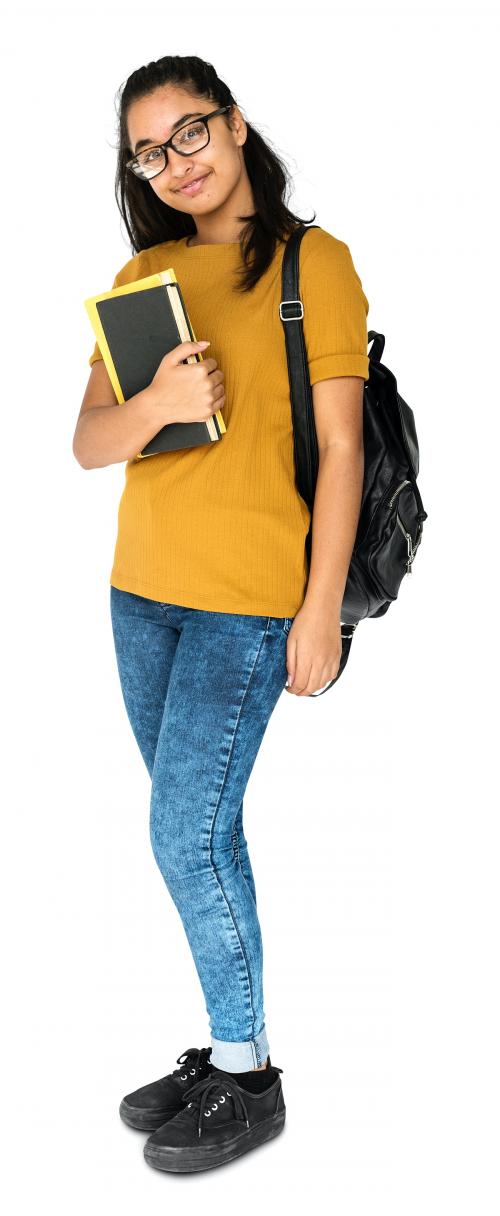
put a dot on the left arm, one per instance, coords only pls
(314, 646)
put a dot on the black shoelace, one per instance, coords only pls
(194, 1056)
(218, 1083)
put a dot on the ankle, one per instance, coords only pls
(255, 1080)
(260, 1067)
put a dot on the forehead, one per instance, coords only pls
(154, 117)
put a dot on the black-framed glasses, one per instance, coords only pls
(190, 138)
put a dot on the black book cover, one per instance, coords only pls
(136, 326)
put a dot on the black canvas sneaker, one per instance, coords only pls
(152, 1105)
(220, 1120)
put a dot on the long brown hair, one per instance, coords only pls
(149, 221)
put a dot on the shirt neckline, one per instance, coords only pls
(212, 245)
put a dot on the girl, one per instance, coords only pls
(212, 602)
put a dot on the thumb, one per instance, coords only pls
(290, 667)
(184, 349)
(182, 352)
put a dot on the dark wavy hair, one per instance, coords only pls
(149, 221)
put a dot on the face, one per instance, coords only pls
(220, 162)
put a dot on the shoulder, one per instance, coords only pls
(327, 270)
(320, 247)
(147, 261)
(132, 269)
(156, 257)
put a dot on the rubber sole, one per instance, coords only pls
(145, 1120)
(207, 1157)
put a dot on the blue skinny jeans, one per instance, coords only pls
(199, 689)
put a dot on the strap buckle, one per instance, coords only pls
(296, 317)
(344, 625)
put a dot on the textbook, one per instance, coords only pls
(135, 326)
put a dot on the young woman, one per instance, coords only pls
(212, 601)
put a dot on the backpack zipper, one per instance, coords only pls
(409, 543)
(398, 489)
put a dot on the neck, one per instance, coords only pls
(223, 227)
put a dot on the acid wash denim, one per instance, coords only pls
(199, 689)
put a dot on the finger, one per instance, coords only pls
(301, 679)
(319, 681)
(314, 681)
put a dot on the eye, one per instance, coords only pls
(192, 133)
(153, 154)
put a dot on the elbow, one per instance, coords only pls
(77, 448)
(351, 449)
(83, 455)
(81, 458)
(86, 461)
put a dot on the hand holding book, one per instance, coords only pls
(147, 342)
(191, 392)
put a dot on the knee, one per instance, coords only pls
(175, 835)
(164, 839)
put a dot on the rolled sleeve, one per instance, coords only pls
(335, 308)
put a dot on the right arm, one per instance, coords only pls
(108, 432)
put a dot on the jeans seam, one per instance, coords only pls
(165, 612)
(214, 868)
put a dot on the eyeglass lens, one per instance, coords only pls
(189, 139)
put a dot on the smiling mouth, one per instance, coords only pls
(195, 181)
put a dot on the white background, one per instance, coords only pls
(370, 813)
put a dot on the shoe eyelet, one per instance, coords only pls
(192, 1071)
(208, 1112)
(214, 1106)
(190, 1103)
(184, 1076)
(222, 1098)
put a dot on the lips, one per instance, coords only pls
(194, 181)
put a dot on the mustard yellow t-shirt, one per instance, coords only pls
(222, 527)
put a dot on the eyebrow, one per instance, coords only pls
(142, 143)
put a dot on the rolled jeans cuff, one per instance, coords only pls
(240, 1057)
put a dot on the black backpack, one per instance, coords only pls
(392, 513)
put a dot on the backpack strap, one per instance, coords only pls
(306, 455)
(291, 312)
